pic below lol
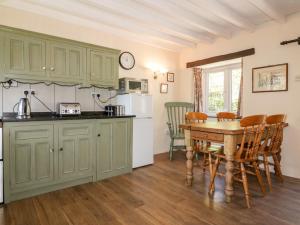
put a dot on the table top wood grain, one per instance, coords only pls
(225, 127)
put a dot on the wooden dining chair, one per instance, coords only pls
(200, 144)
(226, 116)
(271, 146)
(246, 156)
(176, 115)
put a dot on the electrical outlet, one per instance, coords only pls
(10, 83)
(94, 94)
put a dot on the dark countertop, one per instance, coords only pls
(46, 116)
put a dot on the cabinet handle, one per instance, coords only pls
(99, 135)
(61, 149)
(52, 68)
(51, 150)
(44, 68)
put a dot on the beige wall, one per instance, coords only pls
(266, 41)
(144, 56)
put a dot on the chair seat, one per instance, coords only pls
(178, 136)
(210, 149)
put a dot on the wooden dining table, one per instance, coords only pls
(228, 133)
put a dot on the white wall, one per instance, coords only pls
(144, 56)
(266, 41)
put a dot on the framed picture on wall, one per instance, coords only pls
(170, 77)
(163, 88)
(270, 78)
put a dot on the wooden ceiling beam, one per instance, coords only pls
(221, 11)
(220, 58)
(90, 13)
(178, 13)
(151, 18)
(269, 10)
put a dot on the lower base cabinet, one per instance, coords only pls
(113, 147)
(45, 156)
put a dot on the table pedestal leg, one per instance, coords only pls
(229, 149)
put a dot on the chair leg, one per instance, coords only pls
(278, 168)
(171, 149)
(210, 163)
(213, 176)
(267, 171)
(204, 162)
(245, 184)
(259, 178)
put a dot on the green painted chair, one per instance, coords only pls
(176, 115)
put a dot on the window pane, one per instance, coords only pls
(215, 92)
(235, 88)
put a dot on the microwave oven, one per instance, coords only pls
(132, 85)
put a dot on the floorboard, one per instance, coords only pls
(155, 195)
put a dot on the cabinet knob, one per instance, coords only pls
(52, 68)
(44, 68)
(61, 149)
(51, 150)
(99, 135)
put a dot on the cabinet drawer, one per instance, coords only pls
(32, 132)
(74, 130)
(207, 136)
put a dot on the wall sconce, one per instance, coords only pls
(157, 70)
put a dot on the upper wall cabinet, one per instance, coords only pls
(24, 57)
(103, 67)
(28, 56)
(66, 62)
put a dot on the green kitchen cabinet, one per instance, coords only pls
(65, 62)
(41, 156)
(103, 68)
(30, 56)
(25, 57)
(75, 144)
(113, 150)
(31, 156)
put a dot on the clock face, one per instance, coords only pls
(126, 60)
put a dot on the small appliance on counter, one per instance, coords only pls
(115, 110)
(68, 109)
(24, 109)
(131, 85)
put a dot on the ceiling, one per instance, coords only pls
(168, 24)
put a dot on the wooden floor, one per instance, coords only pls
(156, 195)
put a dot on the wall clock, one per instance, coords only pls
(126, 60)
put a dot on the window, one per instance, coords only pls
(222, 87)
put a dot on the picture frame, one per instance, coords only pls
(170, 77)
(271, 78)
(163, 88)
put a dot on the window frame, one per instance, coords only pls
(227, 69)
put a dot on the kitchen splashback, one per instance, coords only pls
(51, 95)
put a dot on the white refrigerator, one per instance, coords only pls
(141, 106)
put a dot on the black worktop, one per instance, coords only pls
(46, 116)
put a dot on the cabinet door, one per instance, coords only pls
(25, 57)
(121, 148)
(114, 155)
(103, 68)
(1, 56)
(66, 62)
(75, 150)
(31, 156)
(104, 149)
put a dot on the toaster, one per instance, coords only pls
(67, 109)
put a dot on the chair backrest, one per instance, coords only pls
(226, 116)
(274, 134)
(251, 141)
(176, 114)
(195, 117)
